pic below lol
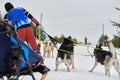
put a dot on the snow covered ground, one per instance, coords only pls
(81, 72)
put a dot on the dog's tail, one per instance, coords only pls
(116, 63)
(112, 49)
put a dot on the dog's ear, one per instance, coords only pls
(98, 46)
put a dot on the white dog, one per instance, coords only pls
(48, 48)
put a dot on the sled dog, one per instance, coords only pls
(65, 54)
(106, 58)
(48, 48)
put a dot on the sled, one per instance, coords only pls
(15, 55)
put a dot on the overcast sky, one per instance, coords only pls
(78, 18)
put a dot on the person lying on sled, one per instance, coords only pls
(20, 19)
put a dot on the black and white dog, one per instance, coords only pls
(65, 54)
(106, 58)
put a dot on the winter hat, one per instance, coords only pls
(8, 6)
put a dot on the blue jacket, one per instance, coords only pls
(17, 17)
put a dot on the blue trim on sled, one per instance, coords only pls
(31, 56)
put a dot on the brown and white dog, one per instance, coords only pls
(106, 58)
(65, 54)
(48, 48)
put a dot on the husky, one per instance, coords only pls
(106, 58)
(65, 54)
(48, 48)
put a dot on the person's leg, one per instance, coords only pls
(22, 33)
(31, 38)
(26, 34)
(43, 76)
